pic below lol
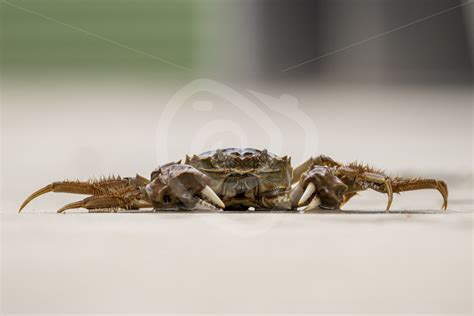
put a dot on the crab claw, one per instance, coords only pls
(302, 196)
(178, 186)
(209, 193)
(202, 205)
(322, 189)
(310, 189)
(315, 202)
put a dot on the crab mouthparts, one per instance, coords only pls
(240, 186)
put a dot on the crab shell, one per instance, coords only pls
(244, 176)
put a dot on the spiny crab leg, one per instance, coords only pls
(68, 187)
(111, 203)
(107, 191)
(360, 177)
(95, 202)
(208, 193)
(379, 179)
(398, 185)
(131, 200)
(403, 184)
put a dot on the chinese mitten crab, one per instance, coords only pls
(236, 179)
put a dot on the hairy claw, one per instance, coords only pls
(310, 189)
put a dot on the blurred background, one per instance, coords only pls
(91, 88)
(427, 42)
(86, 83)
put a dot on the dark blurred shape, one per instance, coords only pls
(435, 50)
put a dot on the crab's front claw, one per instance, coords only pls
(319, 187)
(181, 186)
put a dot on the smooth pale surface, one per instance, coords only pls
(285, 263)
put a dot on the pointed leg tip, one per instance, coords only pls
(36, 194)
(61, 210)
(25, 203)
(389, 191)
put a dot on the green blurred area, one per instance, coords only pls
(45, 36)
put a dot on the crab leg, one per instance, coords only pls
(63, 187)
(403, 184)
(379, 179)
(95, 202)
(106, 202)
(347, 197)
(93, 187)
(361, 177)
(398, 185)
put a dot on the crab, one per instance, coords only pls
(239, 179)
